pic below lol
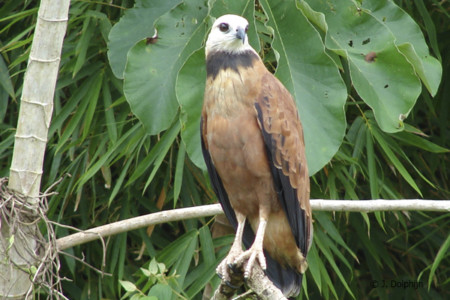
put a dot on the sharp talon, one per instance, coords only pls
(232, 267)
(219, 275)
(231, 285)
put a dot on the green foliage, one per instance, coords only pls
(384, 65)
(125, 129)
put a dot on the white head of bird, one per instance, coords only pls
(228, 34)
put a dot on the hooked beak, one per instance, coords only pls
(240, 34)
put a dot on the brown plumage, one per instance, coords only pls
(253, 146)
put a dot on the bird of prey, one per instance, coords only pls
(253, 146)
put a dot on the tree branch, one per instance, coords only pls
(380, 205)
(258, 282)
(215, 209)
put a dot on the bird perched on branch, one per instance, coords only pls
(253, 145)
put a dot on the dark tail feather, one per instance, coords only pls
(288, 280)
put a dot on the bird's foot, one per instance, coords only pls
(228, 264)
(251, 255)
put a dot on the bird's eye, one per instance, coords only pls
(246, 29)
(224, 27)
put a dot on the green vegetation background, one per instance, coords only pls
(125, 127)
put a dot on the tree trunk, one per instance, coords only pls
(18, 247)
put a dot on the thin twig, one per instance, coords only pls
(81, 260)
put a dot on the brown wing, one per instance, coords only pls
(283, 137)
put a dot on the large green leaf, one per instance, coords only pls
(135, 25)
(312, 78)
(190, 90)
(380, 72)
(409, 39)
(151, 69)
